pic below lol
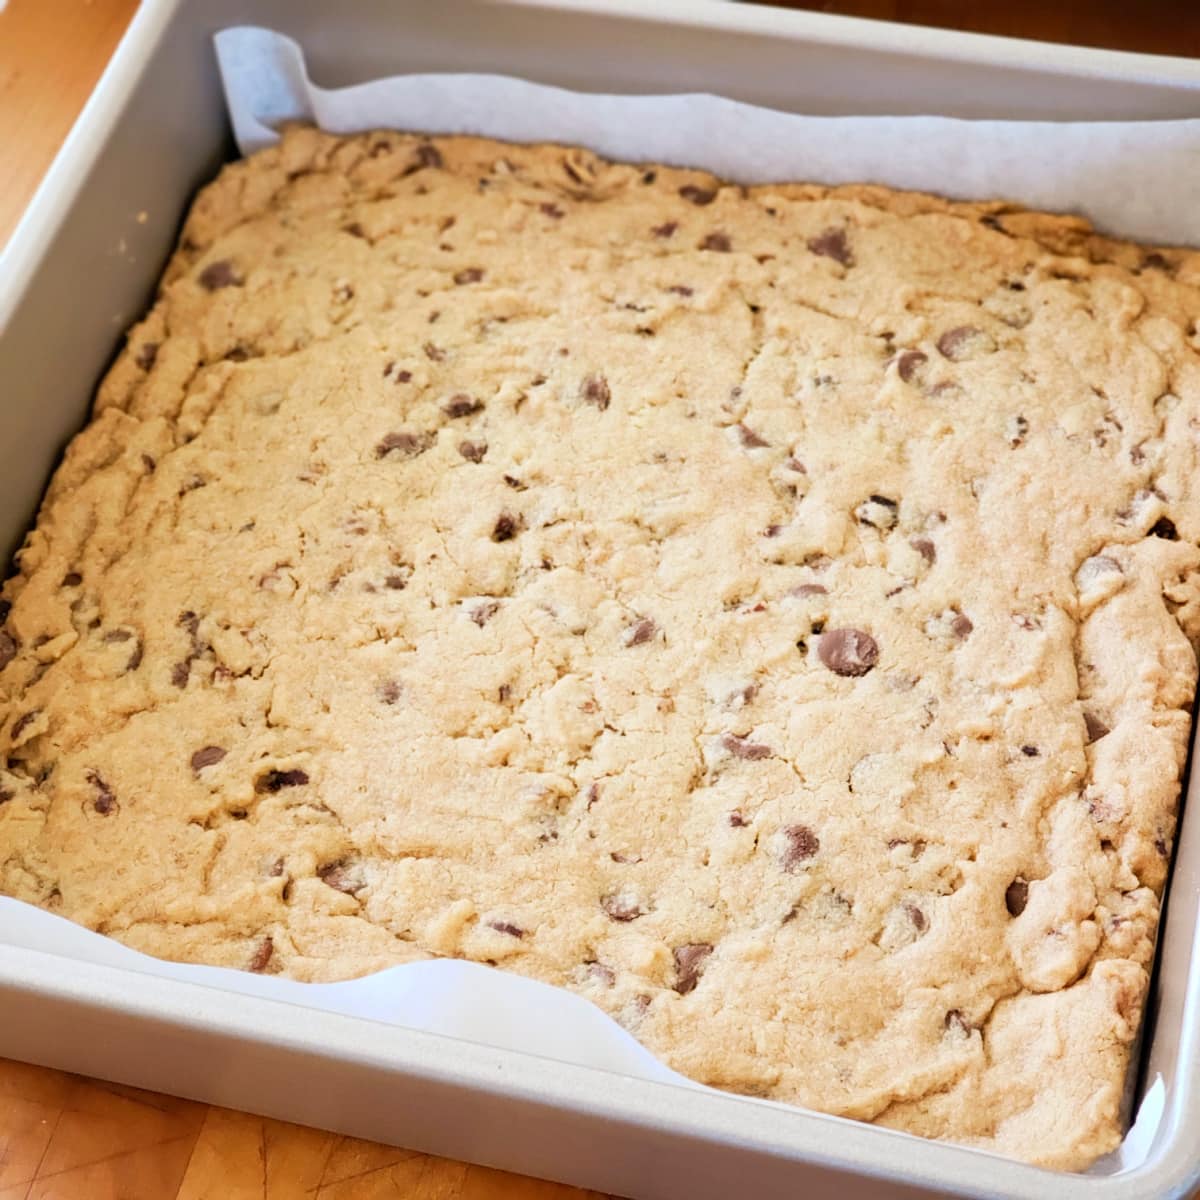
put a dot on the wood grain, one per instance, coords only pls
(63, 1137)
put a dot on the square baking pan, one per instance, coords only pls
(82, 267)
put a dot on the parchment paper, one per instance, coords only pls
(1139, 179)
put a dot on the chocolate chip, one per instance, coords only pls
(1160, 844)
(717, 241)
(472, 451)
(620, 908)
(1016, 896)
(1164, 527)
(105, 802)
(601, 973)
(354, 229)
(665, 230)
(748, 438)
(961, 626)
(403, 376)
(506, 528)
(925, 548)
(433, 352)
(146, 355)
(8, 649)
(5, 796)
(507, 927)
(737, 820)
(389, 691)
(1030, 751)
(908, 364)
(181, 672)
(679, 289)
(468, 275)
(848, 651)
(424, 155)
(273, 781)
(262, 955)
(219, 274)
(689, 965)
(878, 511)
(919, 921)
(594, 390)
(800, 844)
(963, 342)
(1155, 262)
(395, 582)
(551, 210)
(404, 444)
(957, 1022)
(697, 195)
(462, 405)
(116, 636)
(640, 632)
(481, 614)
(72, 579)
(149, 463)
(1096, 728)
(832, 244)
(22, 723)
(809, 589)
(342, 877)
(740, 747)
(209, 756)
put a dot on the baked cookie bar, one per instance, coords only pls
(769, 612)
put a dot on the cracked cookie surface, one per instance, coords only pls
(768, 612)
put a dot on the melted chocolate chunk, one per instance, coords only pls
(220, 274)
(594, 390)
(963, 341)
(620, 908)
(473, 451)
(389, 691)
(481, 614)
(506, 528)
(507, 927)
(697, 195)
(800, 844)
(665, 230)
(909, 363)
(925, 548)
(601, 973)
(1096, 728)
(848, 651)
(736, 820)
(1030, 751)
(433, 352)
(640, 632)
(689, 965)
(8, 649)
(919, 921)
(740, 747)
(832, 244)
(146, 355)
(1016, 896)
(1164, 527)
(105, 802)
(209, 756)
(462, 405)
(403, 444)
(181, 673)
(551, 210)
(749, 439)
(809, 589)
(262, 955)
(342, 877)
(718, 241)
(275, 781)
(22, 723)
(961, 626)
(468, 275)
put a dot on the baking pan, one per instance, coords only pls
(81, 268)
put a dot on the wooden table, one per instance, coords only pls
(63, 1137)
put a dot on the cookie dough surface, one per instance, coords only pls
(766, 612)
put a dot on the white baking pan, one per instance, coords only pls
(82, 267)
